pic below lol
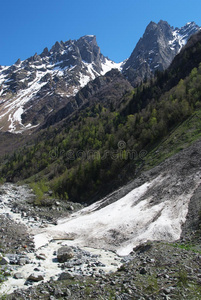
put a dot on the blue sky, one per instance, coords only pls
(28, 26)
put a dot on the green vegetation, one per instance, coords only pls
(182, 278)
(181, 137)
(100, 146)
(2, 180)
(4, 273)
(187, 246)
(39, 188)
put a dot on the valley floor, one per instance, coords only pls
(141, 242)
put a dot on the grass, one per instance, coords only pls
(187, 247)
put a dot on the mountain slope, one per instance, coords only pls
(105, 90)
(156, 50)
(104, 143)
(118, 134)
(31, 89)
(152, 207)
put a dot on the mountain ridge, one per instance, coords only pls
(156, 49)
(33, 89)
(137, 151)
(48, 80)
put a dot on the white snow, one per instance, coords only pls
(181, 36)
(17, 115)
(142, 214)
(125, 223)
(109, 65)
(12, 108)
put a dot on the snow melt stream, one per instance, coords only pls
(153, 210)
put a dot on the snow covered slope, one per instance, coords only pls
(45, 82)
(152, 207)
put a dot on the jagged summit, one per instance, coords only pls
(156, 49)
(31, 89)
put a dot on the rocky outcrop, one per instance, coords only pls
(156, 50)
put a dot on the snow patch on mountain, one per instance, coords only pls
(181, 36)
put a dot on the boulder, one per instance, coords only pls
(64, 254)
(13, 258)
(22, 261)
(4, 261)
(18, 275)
(35, 277)
(65, 276)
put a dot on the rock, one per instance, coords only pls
(64, 253)
(4, 261)
(65, 276)
(142, 248)
(166, 291)
(18, 275)
(37, 269)
(13, 258)
(143, 271)
(35, 277)
(68, 293)
(41, 256)
(22, 261)
(68, 264)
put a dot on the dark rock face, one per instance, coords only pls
(67, 57)
(156, 50)
(73, 53)
(193, 219)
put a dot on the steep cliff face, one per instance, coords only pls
(156, 50)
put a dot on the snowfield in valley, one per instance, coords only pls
(126, 223)
(154, 207)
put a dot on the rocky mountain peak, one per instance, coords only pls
(31, 89)
(156, 49)
(57, 47)
(45, 52)
(89, 49)
(18, 62)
